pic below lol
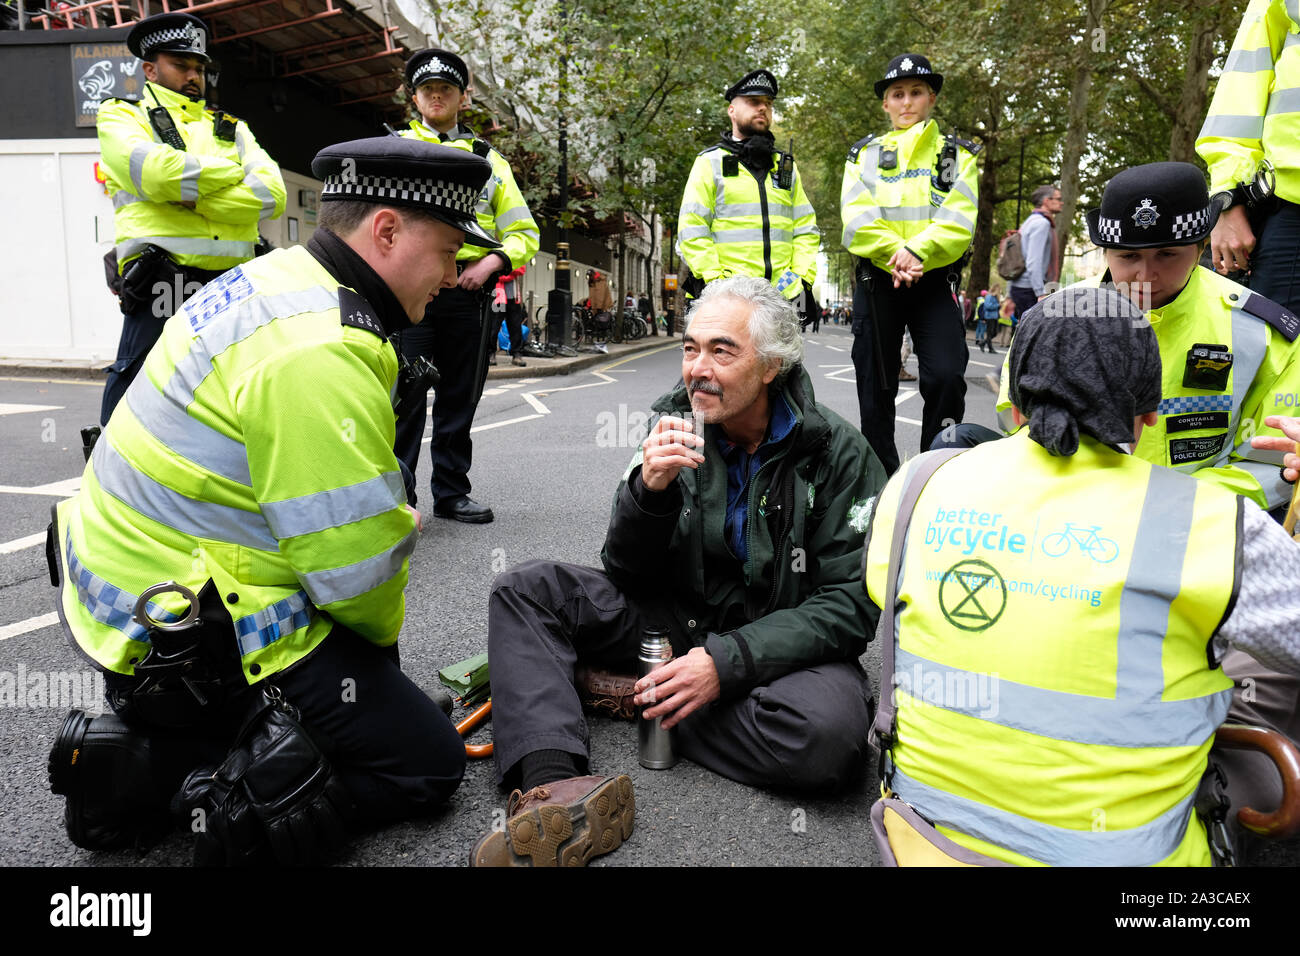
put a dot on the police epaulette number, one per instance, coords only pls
(968, 145)
(856, 148)
(355, 311)
(1281, 318)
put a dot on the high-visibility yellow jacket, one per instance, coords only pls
(1205, 433)
(734, 223)
(886, 208)
(1255, 113)
(501, 209)
(1055, 695)
(233, 183)
(255, 450)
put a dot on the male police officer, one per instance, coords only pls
(189, 186)
(744, 211)
(249, 478)
(1254, 122)
(908, 204)
(463, 335)
(1057, 646)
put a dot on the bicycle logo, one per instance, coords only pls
(1102, 550)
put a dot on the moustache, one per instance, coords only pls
(708, 388)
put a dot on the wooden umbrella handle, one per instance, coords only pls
(1285, 820)
(466, 726)
(1293, 511)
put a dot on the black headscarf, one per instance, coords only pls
(1084, 360)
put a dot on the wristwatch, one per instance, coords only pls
(1225, 199)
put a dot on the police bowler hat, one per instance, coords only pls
(1159, 204)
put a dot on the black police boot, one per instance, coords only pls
(102, 766)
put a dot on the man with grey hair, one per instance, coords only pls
(737, 528)
(1041, 249)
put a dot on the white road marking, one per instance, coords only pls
(58, 489)
(31, 624)
(841, 370)
(904, 394)
(19, 544)
(537, 406)
(910, 421)
(985, 364)
(14, 409)
(508, 421)
(97, 383)
(836, 348)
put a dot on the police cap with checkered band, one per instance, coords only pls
(907, 66)
(428, 65)
(753, 83)
(1159, 204)
(177, 33)
(441, 181)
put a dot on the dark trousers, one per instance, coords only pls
(807, 730)
(1025, 299)
(1275, 266)
(455, 337)
(396, 752)
(140, 330)
(930, 313)
(514, 326)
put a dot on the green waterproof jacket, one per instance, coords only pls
(798, 600)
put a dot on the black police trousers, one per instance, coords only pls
(805, 731)
(394, 750)
(455, 337)
(880, 314)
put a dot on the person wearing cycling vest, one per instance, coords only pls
(1058, 646)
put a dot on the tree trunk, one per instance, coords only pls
(1076, 131)
(1191, 103)
(981, 250)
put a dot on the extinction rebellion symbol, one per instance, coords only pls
(972, 595)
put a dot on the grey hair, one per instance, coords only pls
(1042, 194)
(773, 322)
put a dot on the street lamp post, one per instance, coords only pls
(559, 301)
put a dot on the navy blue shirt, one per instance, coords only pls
(741, 469)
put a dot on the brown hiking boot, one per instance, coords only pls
(604, 692)
(564, 823)
(905, 376)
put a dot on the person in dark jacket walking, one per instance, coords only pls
(742, 536)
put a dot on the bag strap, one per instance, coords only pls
(883, 728)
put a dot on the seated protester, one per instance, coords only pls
(1230, 356)
(745, 542)
(1058, 640)
(225, 488)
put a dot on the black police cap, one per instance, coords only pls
(442, 181)
(905, 66)
(436, 64)
(1159, 204)
(755, 83)
(177, 33)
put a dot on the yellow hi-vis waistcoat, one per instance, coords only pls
(232, 183)
(733, 223)
(1055, 701)
(255, 449)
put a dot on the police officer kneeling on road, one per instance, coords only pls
(1059, 640)
(236, 557)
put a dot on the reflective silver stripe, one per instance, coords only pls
(1292, 39)
(250, 315)
(961, 187)
(228, 248)
(864, 218)
(751, 235)
(308, 514)
(1138, 846)
(340, 584)
(123, 198)
(868, 170)
(261, 191)
(695, 232)
(735, 209)
(808, 230)
(1249, 348)
(198, 519)
(805, 209)
(948, 214)
(1233, 127)
(1284, 101)
(1276, 491)
(696, 209)
(511, 216)
(855, 190)
(241, 141)
(138, 155)
(185, 435)
(190, 178)
(907, 213)
(1249, 61)
(719, 181)
(263, 628)
(1293, 11)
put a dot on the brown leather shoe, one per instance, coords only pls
(604, 692)
(564, 823)
(905, 376)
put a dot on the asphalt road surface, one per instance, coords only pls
(548, 453)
